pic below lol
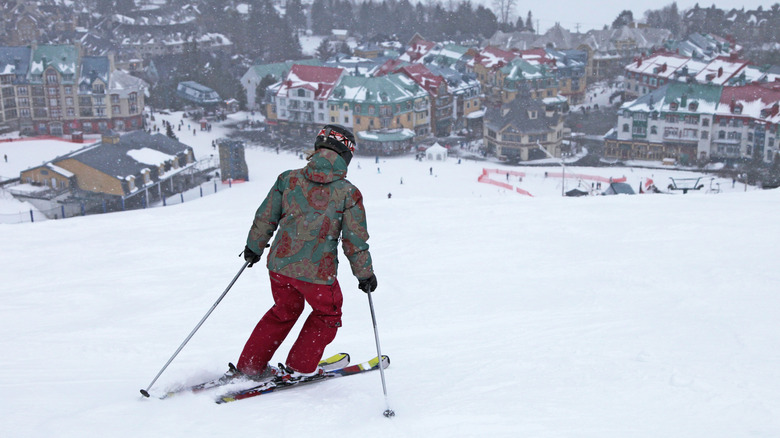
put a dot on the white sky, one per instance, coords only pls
(594, 14)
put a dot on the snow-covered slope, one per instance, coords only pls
(504, 315)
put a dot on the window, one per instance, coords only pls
(721, 135)
(654, 129)
(301, 92)
(626, 127)
(705, 135)
(705, 122)
(22, 91)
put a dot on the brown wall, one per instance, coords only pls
(43, 175)
(92, 180)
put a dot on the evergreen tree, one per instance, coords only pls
(529, 22)
(486, 21)
(625, 18)
(169, 131)
(324, 52)
(295, 16)
(321, 17)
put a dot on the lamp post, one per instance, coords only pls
(563, 167)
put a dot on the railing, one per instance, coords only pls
(80, 209)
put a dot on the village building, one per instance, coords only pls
(685, 122)
(515, 131)
(117, 173)
(385, 112)
(198, 94)
(441, 99)
(268, 74)
(645, 74)
(302, 98)
(53, 90)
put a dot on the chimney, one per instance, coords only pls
(110, 137)
(720, 71)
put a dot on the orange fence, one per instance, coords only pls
(587, 177)
(485, 179)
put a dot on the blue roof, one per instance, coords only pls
(15, 60)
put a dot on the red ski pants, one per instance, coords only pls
(318, 331)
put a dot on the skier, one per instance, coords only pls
(311, 207)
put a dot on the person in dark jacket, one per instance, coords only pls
(308, 209)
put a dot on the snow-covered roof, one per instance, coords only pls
(319, 80)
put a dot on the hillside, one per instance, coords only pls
(504, 315)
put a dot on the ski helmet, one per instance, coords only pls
(336, 138)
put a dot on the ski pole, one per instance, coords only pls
(145, 392)
(388, 412)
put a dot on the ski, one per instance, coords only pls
(233, 376)
(277, 384)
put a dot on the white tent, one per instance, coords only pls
(436, 152)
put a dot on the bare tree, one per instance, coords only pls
(504, 9)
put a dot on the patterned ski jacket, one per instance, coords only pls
(312, 207)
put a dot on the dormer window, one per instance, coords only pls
(737, 109)
(532, 115)
(673, 106)
(693, 106)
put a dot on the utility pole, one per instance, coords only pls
(563, 167)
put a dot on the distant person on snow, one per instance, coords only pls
(311, 207)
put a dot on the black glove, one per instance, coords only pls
(250, 256)
(368, 285)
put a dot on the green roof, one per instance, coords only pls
(64, 59)
(519, 70)
(279, 70)
(382, 90)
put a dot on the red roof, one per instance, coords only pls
(321, 80)
(418, 49)
(389, 66)
(492, 56)
(424, 77)
(538, 55)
